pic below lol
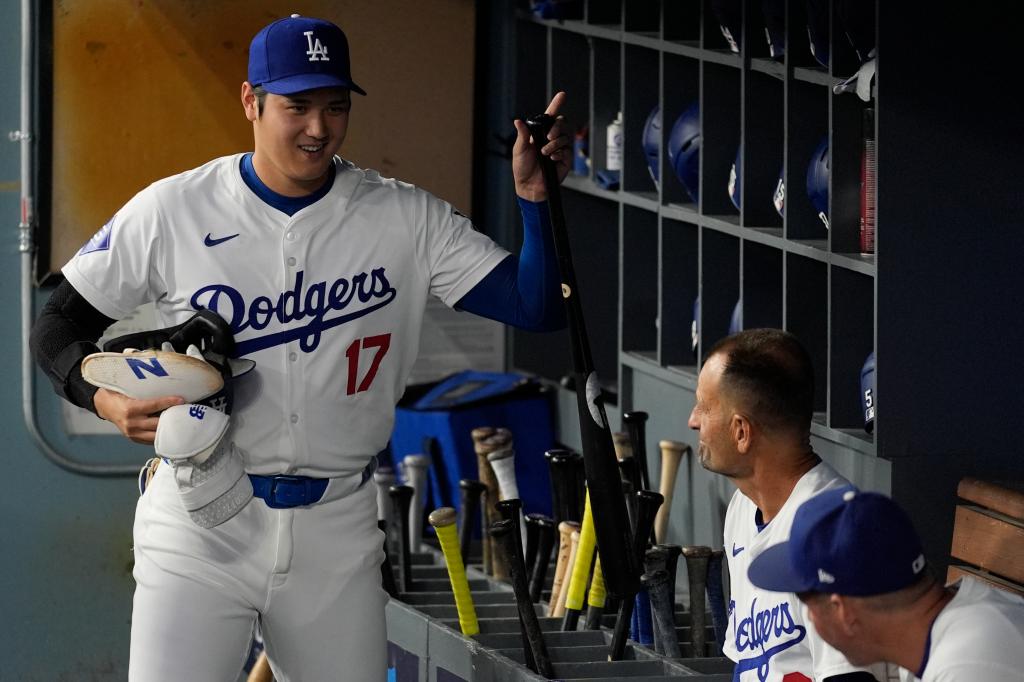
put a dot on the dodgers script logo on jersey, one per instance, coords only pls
(352, 297)
(764, 633)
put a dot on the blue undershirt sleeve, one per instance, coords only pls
(523, 291)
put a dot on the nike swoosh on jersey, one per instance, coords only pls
(736, 550)
(210, 241)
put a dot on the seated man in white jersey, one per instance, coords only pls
(322, 271)
(857, 564)
(754, 402)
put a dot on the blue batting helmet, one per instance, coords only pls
(684, 149)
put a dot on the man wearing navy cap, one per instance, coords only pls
(856, 563)
(322, 270)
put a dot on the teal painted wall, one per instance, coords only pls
(65, 581)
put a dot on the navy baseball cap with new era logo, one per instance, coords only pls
(843, 541)
(300, 53)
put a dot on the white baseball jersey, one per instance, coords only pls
(979, 635)
(327, 302)
(768, 636)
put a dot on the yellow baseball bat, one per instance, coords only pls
(443, 521)
(580, 569)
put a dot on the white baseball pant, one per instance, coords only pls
(310, 574)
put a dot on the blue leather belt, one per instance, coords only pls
(284, 492)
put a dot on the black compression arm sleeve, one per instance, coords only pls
(859, 676)
(64, 333)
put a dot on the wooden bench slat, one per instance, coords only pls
(989, 540)
(956, 572)
(1005, 497)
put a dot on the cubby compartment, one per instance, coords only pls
(846, 149)
(679, 288)
(760, 167)
(531, 83)
(681, 22)
(593, 226)
(643, 17)
(568, 51)
(607, 98)
(680, 124)
(807, 317)
(720, 136)
(639, 282)
(800, 54)
(604, 12)
(806, 130)
(640, 105)
(852, 340)
(729, 14)
(720, 286)
(761, 291)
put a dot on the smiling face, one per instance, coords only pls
(297, 136)
(712, 417)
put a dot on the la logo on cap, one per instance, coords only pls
(317, 52)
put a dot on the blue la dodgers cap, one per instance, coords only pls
(843, 541)
(300, 53)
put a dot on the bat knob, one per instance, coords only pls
(540, 126)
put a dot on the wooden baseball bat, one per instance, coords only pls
(503, 463)
(648, 502)
(672, 452)
(716, 597)
(697, 573)
(559, 609)
(261, 671)
(416, 477)
(486, 476)
(469, 503)
(663, 609)
(584, 558)
(545, 544)
(506, 542)
(511, 510)
(610, 521)
(487, 440)
(595, 598)
(565, 529)
(443, 521)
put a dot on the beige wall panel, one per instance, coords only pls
(150, 88)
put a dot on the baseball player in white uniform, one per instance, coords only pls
(857, 563)
(754, 402)
(322, 271)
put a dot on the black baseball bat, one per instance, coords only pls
(532, 537)
(655, 559)
(507, 539)
(697, 573)
(648, 502)
(387, 573)
(401, 496)
(716, 597)
(611, 524)
(663, 610)
(545, 545)
(509, 510)
(469, 505)
(635, 422)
